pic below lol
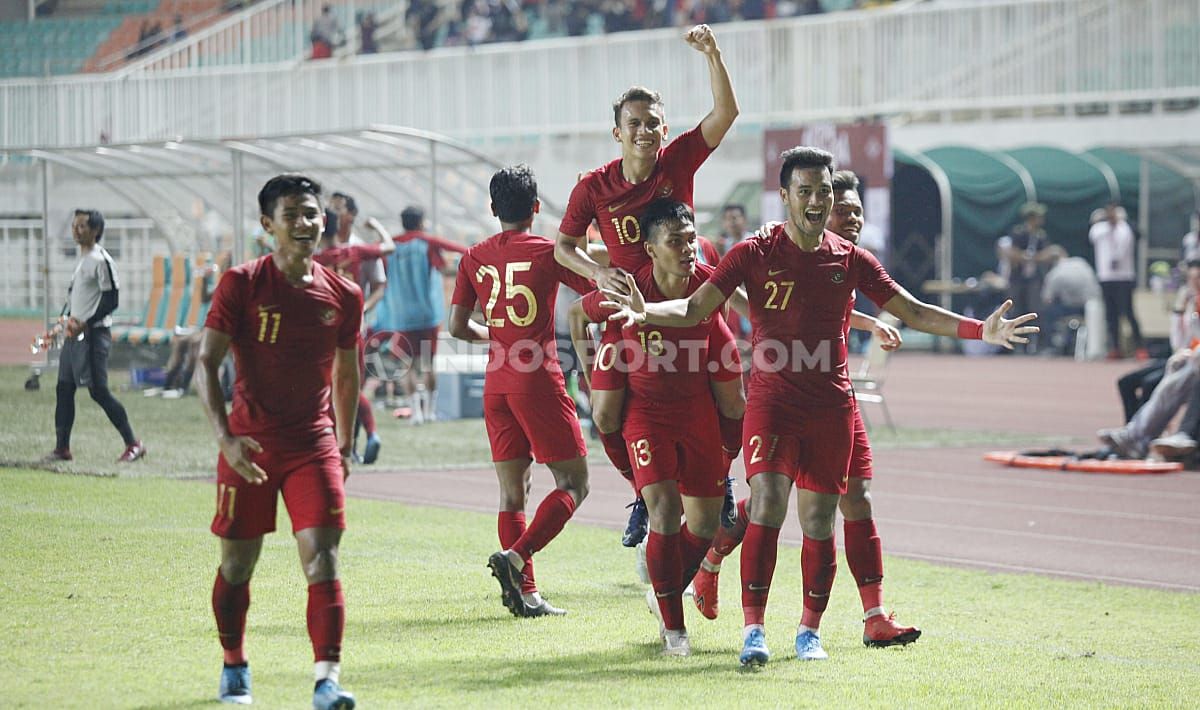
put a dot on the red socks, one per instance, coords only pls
(614, 446)
(511, 526)
(666, 576)
(727, 541)
(326, 619)
(818, 562)
(366, 417)
(761, 547)
(551, 516)
(864, 555)
(731, 435)
(229, 604)
(692, 549)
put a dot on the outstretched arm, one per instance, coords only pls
(386, 244)
(996, 330)
(890, 338)
(677, 313)
(725, 107)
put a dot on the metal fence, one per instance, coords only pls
(133, 243)
(940, 57)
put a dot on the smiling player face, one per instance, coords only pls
(808, 199)
(642, 130)
(846, 219)
(296, 225)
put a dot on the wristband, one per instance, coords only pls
(970, 329)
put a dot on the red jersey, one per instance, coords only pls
(284, 338)
(436, 244)
(616, 204)
(515, 277)
(346, 260)
(666, 365)
(799, 305)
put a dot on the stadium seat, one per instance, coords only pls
(155, 304)
(181, 274)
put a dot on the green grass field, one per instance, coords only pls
(106, 601)
(107, 605)
(181, 444)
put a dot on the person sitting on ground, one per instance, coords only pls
(185, 345)
(1137, 386)
(1182, 374)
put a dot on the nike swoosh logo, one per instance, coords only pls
(757, 588)
(336, 511)
(813, 595)
(619, 205)
(263, 309)
(775, 272)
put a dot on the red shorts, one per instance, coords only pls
(860, 457)
(677, 445)
(810, 446)
(542, 427)
(420, 344)
(723, 365)
(311, 482)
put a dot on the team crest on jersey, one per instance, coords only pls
(666, 189)
(328, 316)
(838, 276)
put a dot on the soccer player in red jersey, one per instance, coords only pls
(293, 326)
(799, 423)
(615, 195)
(677, 470)
(347, 259)
(863, 550)
(526, 409)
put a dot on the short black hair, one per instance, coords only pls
(664, 213)
(513, 190)
(635, 93)
(1193, 264)
(411, 217)
(286, 185)
(95, 221)
(803, 157)
(844, 180)
(351, 205)
(331, 224)
(734, 206)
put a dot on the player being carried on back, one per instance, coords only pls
(671, 429)
(799, 427)
(526, 408)
(615, 195)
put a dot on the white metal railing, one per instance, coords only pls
(269, 31)
(133, 242)
(944, 56)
